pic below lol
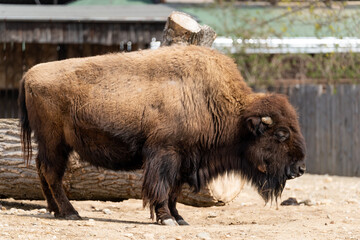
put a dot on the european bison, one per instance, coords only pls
(183, 114)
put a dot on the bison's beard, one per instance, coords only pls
(269, 187)
(270, 183)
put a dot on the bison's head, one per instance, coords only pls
(275, 147)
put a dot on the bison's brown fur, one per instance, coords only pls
(184, 114)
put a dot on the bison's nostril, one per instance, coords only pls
(302, 170)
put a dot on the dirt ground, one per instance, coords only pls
(332, 211)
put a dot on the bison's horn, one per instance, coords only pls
(267, 120)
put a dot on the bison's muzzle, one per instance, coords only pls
(295, 170)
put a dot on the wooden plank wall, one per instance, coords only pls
(17, 58)
(330, 121)
(80, 33)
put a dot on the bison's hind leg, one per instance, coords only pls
(51, 162)
(52, 205)
(162, 184)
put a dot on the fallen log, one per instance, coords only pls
(85, 182)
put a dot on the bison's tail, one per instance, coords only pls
(24, 124)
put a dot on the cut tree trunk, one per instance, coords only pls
(85, 182)
(181, 28)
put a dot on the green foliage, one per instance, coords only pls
(316, 18)
(262, 70)
(257, 69)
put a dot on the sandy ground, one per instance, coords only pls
(332, 211)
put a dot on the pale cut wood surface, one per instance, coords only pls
(181, 28)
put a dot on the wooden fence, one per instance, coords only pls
(330, 121)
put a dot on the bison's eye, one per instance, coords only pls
(282, 134)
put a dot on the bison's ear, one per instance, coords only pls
(282, 134)
(255, 125)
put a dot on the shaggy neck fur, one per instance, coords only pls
(218, 161)
(220, 157)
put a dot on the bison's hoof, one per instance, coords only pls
(73, 217)
(182, 222)
(169, 222)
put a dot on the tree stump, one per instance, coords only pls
(181, 28)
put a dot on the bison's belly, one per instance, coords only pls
(103, 150)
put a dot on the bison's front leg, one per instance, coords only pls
(161, 183)
(172, 206)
